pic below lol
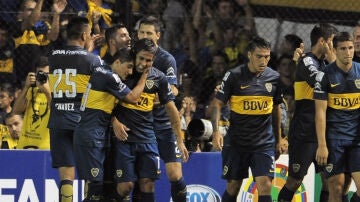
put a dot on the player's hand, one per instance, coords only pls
(184, 151)
(120, 130)
(329, 52)
(298, 53)
(322, 155)
(217, 141)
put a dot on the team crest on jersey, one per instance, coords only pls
(329, 167)
(95, 171)
(268, 87)
(225, 170)
(119, 173)
(149, 84)
(296, 167)
(357, 83)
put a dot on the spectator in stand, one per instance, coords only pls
(174, 16)
(33, 35)
(34, 102)
(7, 94)
(7, 97)
(286, 69)
(356, 34)
(212, 78)
(14, 124)
(7, 73)
(289, 44)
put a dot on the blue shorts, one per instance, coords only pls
(136, 160)
(236, 163)
(61, 144)
(168, 149)
(90, 153)
(301, 155)
(343, 157)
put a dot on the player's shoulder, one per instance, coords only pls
(309, 60)
(164, 54)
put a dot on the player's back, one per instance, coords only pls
(70, 70)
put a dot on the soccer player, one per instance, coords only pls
(116, 37)
(137, 157)
(337, 115)
(254, 95)
(91, 136)
(171, 147)
(70, 69)
(302, 133)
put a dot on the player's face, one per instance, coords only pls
(344, 52)
(144, 59)
(122, 38)
(357, 38)
(148, 32)
(5, 100)
(15, 124)
(124, 69)
(258, 59)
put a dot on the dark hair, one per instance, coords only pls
(294, 40)
(323, 30)
(144, 45)
(258, 42)
(123, 54)
(76, 26)
(221, 54)
(8, 88)
(151, 20)
(42, 62)
(342, 37)
(110, 32)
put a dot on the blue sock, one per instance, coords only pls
(355, 198)
(324, 196)
(148, 197)
(136, 194)
(226, 197)
(265, 198)
(285, 195)
(178, 190)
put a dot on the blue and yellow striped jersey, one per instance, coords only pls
(251, 99)
(342, 92)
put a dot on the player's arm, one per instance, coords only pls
(320, 122)
(217, 139)
(173, 114)
(134, 95)
(276, 122)
(320, 97)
